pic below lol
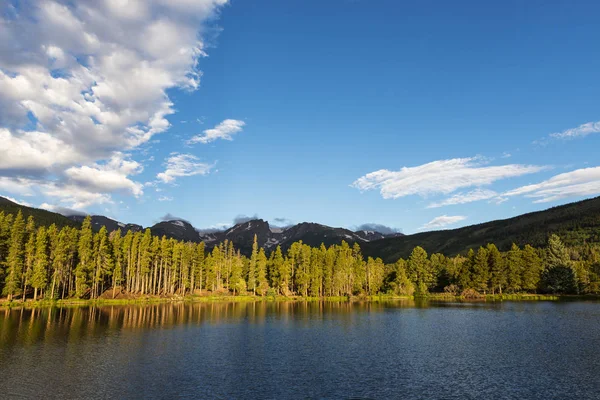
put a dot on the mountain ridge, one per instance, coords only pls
(576, 222)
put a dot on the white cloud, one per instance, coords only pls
(225, 130)
(463, 198)
(108, 177)
(81, 82)
(439, 177)
(580, 131)
(443, 220)
(20, 186)
(179, 165)
(73, 196)
(165, 198)
(578, 183)
(61, 210)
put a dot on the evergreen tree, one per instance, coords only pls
(419, 271)
(16, 258)
(466, 272)
(39, 277)
(532, 268)
(556, 253)
(481, 271)
(558, 275)
(237, 282)
(252, 266)
(514, 266)
(261, 273)
(498, 277)
(86, 258)
(29, 254)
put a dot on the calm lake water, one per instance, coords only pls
(404, 350)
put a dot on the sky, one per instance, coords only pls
(410, 115)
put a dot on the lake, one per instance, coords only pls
(298, 350)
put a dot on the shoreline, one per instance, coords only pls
(142, 301)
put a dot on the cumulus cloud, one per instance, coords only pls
(578, 183)
(82, 82)
(463, 198)
(220, 227)
(171, 217)
(225, 130)
(439, 177)
(580, 131)
(443, 220)
(240, 219)
(281, 222)
(179, 165)
(377, 228)
(20, 186)
(108, 177)
(67, 212)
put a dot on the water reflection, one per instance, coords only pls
(28, 326)
(406, 349)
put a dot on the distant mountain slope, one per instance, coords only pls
(42, 217)
(176, 229)
(242, 235)
(98, 221)
(574, 222)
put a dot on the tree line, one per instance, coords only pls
(58, 263)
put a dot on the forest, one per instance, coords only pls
(39, 262)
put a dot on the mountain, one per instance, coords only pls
(176, 229)
(371, 235)
(98, 221)
(574, 222)
(242, 235)
(42, 217)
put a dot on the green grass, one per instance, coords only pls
(250, 299)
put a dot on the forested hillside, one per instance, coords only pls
(576, 223)
(57, 263)
(41, 216)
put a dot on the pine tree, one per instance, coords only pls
(556, 253)
(5, 227)
(237, 282)
(39, 276)
(261, 273)
(104, 261)
(252, 266)
(497, 270)
(16, 258)
(29, 254)
(481, 272)
(466, 272)
(402, 283)
(558, 275)
(86, 258)
(514, 266)
(532, 268)
(418, 269)
(117, 275)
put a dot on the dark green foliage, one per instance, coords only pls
(575, 223)
(42, 217)
(40, 262)
(559, 279)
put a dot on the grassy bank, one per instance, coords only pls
(145, 300)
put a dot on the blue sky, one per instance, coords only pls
(476, 100)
